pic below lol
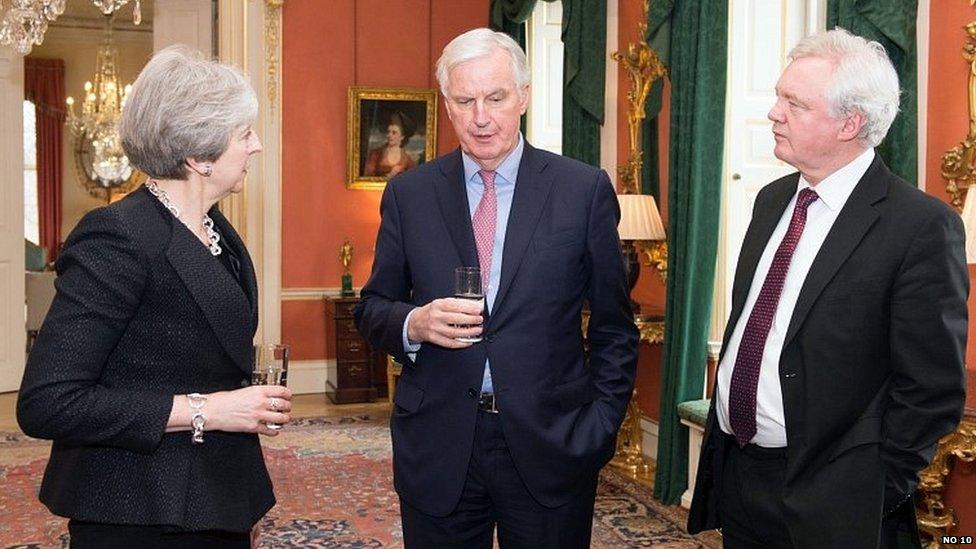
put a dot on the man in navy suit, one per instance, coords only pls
(511, 431)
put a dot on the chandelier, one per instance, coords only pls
(99, 151)
(25, 21)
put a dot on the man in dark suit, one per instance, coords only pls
(842, 362)
(512, 430)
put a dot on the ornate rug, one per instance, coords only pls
(334, 484)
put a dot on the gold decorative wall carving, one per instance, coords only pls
(935, 519)
(272, 41)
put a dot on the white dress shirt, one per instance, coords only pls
(833, 192)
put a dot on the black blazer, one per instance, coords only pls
(143, 312)
(560, 414)
(872, 365)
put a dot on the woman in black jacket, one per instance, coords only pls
(140, 373)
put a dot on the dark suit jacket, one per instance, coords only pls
(143, 312)
(559, 413)
(872, 365)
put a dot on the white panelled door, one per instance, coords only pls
(545, 53)
(761, 34)
(12, 311)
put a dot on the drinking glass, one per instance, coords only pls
(270, 367)
(467, 285)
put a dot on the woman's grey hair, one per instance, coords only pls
(864, 80)
(182, 106)
(478, 44)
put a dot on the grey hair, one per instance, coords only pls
(864, 80)
(182, 106)
(478, 44)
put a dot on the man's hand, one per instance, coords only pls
(440, 322)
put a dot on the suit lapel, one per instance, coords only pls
(854, 220)
(765, 219)
(233, 240)
(452, 197)
(218, 295)
(531, 194)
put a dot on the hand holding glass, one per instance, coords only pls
(467, 285)
(270, 367)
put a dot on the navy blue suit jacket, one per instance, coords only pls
(560, 411)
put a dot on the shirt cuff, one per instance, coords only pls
(410, 347)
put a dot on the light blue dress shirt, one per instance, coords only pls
(505, 179)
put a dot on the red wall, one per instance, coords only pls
(357, 42)
(948, 121)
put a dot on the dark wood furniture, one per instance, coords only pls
(360, 369)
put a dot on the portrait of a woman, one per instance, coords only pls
(392, 157)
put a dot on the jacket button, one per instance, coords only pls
(490, 337)
(789, 374)
(245, 383)
(472, 393)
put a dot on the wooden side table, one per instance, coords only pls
(360, 369)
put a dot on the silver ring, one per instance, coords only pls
(274, 404)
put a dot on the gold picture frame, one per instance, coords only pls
(377, 117)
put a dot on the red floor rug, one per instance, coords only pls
(333, 481)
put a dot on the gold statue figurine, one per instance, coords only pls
(345, 255)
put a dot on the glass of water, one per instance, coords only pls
(467, 285)
(270, 367)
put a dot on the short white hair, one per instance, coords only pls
(182, 106)
(864, 80)
(478, 44)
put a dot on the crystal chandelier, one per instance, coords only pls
(95, 126)
(25, 21)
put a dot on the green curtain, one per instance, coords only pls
(659, 39)
(892, 23)
(509, 16)
(584, 76)
(584, 36)
(696, 65)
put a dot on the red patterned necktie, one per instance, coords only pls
(483, 223)
(745, 375)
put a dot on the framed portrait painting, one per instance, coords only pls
(390, 130)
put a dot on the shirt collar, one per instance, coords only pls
(834, 189)
(507, 170)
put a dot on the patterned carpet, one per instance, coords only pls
(333, 480)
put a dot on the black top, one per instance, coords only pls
(142, 313)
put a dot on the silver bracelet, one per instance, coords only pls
(197, 421)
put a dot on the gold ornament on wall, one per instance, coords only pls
(958, 166)
(640, 222)
(644, 67)
(272, 39)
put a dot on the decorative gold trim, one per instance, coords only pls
(354, 118)
(629, 454)
(651, 331)
(655, 255)
(958, 166)
(934, 518)
(272, 41)
(643, 66)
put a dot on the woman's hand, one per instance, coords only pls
(248, 410)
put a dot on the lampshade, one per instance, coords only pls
(639, 218)
(969, 220)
